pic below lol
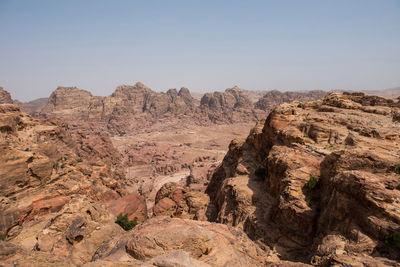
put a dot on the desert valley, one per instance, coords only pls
(233, 178)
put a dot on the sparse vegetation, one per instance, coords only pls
(79, 160)
(27, 149)
(55, 166)
(300, 105)
(20, 128)
(312, 183)
(393, 239)
(166, 194)
(311, 191)
(125, 223)
(397, 169)
(3, 237)
(260, 172)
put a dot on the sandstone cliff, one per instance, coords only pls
(137, 108)
(317, 181)
(274, 98)
(5, 96)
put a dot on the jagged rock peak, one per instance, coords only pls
(184, 91)
(172, 92)
(5, 96)
(70, 90)
(126, 89)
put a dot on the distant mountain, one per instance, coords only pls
(33, 106)
(387, 93)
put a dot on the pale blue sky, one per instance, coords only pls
(203, 45)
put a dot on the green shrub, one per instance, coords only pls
(166, 195)
(79, 160)
(3, 237)
(393, 239)
(300, 105)
(55, 166)
(312, 183)
(260, 172)
(397, 169)
(125, 223)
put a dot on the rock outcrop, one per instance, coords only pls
(5, 97)
(317, 181)
(42, 165)
(137, 108)
(274, 98)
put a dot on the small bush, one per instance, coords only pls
(125, 223)
(166, 195)
(300, 105)
(312, 183)
(79, 160)
(3, 237)
(55, 166)
(397, 169)
(260, 172)
(393, 239)
(27, 149)
(20, 128)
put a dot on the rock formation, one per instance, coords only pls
(34, 106)
(5, 97)
(318, 181)
(274, 98)
(137, 108)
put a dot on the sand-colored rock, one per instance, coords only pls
(133, 204)
(5, 97)
(214, 244)
(349, 143)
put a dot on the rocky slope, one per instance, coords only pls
(5, 97)
(273, 98)
(317, 182)
(137, 108)
(34, 106)
(60, 194)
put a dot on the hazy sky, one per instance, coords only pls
(203, 45)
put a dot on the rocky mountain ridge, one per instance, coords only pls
(130, 106)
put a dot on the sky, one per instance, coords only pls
(202, 45)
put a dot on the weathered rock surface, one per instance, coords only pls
(133, 204)
(176, 201)
(136, 108)
(5, 97)
(163, 241)
(274, 98)
(314, 170)
(42, 166)
(34, 106)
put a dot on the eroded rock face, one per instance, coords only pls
(176, 201)
(127, 107)
(314, 170)
(233, 105)
(214, 244)
(5, 97)
(42, 165)
(274, 98)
